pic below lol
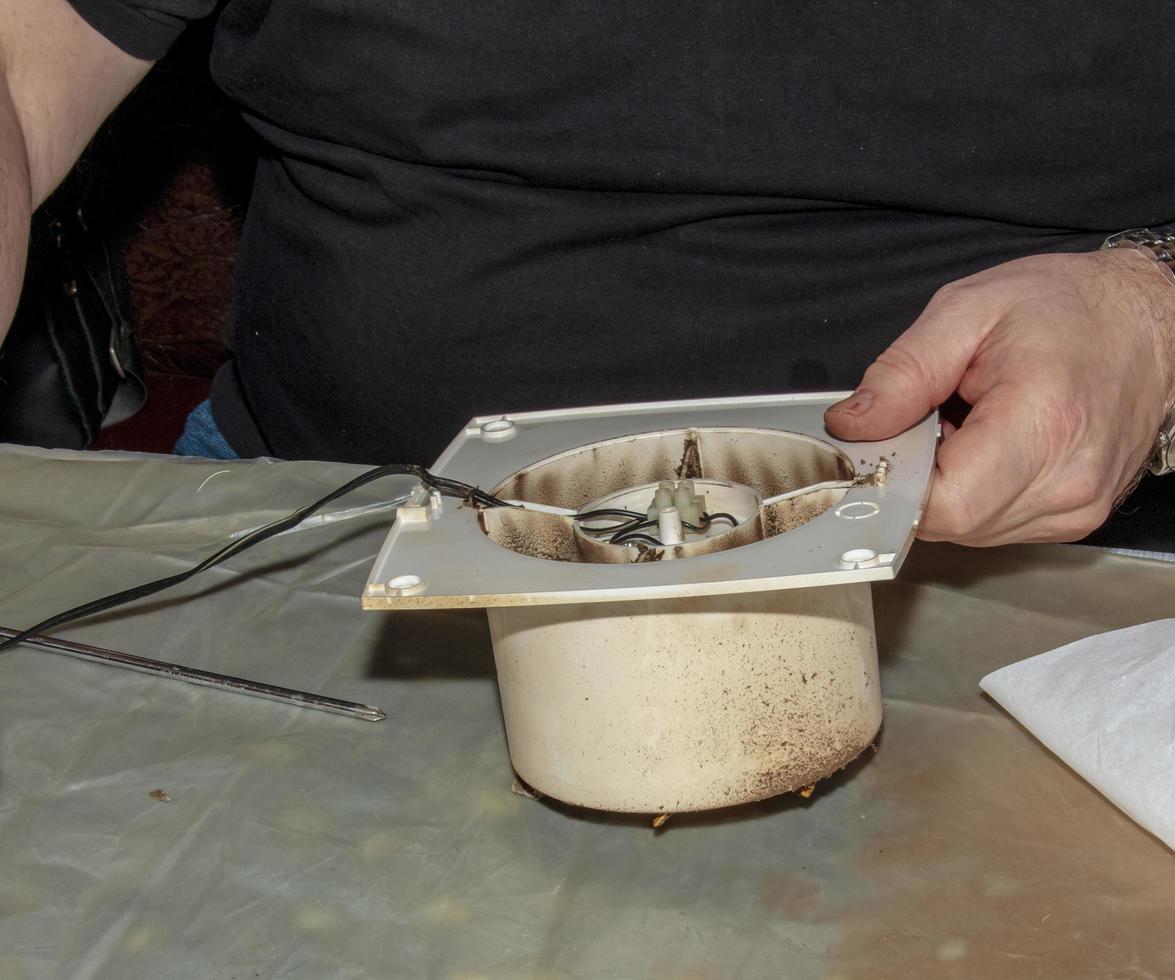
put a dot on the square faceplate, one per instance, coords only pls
(440, 553)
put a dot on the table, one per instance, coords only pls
(301, 844)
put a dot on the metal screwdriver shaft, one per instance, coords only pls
(203, 678)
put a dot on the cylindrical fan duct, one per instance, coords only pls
(670, 705)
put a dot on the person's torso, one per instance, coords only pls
(510, 205)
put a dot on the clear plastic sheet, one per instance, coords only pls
(300, 844)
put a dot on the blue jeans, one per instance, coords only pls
(202, 437)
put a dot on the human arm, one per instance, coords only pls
(1068, 362)
(59, 79)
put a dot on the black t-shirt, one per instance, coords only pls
(516, 204)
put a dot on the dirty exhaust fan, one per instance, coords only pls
(679, 604)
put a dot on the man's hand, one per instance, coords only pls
(1069, 364)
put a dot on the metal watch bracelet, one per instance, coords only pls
(1159, 246)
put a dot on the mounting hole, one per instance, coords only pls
(498, 430)
(403, 584)
(856, 557)
(858, 510)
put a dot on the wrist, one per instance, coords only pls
(1155, 303)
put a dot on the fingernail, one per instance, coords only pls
(856, 404)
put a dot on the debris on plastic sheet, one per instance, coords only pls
(160, 795)
(1105, 705)
(209, 478)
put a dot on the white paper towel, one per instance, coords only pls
(1106, 706)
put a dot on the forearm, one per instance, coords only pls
(59, 79)
(15, 207)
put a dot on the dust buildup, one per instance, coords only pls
(771, 462)
(581, 476)
(531, 533)
(787, 515)
(690, 467)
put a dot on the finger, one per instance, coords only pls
(919, 371)
(983, 472)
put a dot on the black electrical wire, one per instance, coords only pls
(625, 534)
(455, 488)
(629, 529)
(618, 528)
(631, 520)
(452, 488)
(591, 515)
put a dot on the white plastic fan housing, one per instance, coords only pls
(653, 677)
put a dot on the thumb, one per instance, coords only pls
(918, 372)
